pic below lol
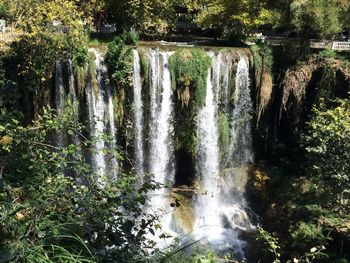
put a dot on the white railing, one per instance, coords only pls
(335, 45)
(341, 46)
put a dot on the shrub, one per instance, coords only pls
(119, 61)
(52, 208)
(306, 235)
(327, 144)
(189, 69)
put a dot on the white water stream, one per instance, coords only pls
(220, 205)
(101, 117)
(138, 117)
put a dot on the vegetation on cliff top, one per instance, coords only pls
(189, 72)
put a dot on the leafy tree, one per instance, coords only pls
(344, 6)
(234, 16)
(328, 146)
(319, 17)
(149, 16)
(51, 31)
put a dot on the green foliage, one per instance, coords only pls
(320, 17)
(119, 61)
(80, 56)
(193, 252)
(189, 69)
(306, 235)
(224, 133)
(36, 55)
(149, 16)
(9, 95)
(50, 32)
(271, 244)
(234, 16)
(327, 143)
(263, 60)
(49, 215)
(144, 63)
(131, 37)
(327, 54)
(262, 57)
(4, 10)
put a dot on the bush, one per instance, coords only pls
(119, 61)
(306, 235)
(327, 144)
(189, 69)
(130, 37)
(52, 207)
(327, 53)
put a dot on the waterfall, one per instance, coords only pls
(155, 88)
(103, 81)
(73, 101)
(59, 98)
(220, 204)
(101, 117)
(112, 130)
(59, 89)
(161, 147)
(217, 65)
(138, 117)
(226, 72)
(161, 164)
(208, 166)
(240, 150)
(71, 81)
(222, 68)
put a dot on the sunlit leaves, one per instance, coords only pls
(319, 17)
(234, 16)
(328, 149)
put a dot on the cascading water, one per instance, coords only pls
(161, 146)
(234, 177)
(71, 80)
(161, 149)
(226, 73)
(240, 150)
(103, 80)
(59, 97)
(101, 118)
(60, 93)
(222, 69)
(138, 117)
(155, 88)
(73, 101)
(220, 204)
(208, 216)
(216, 74)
